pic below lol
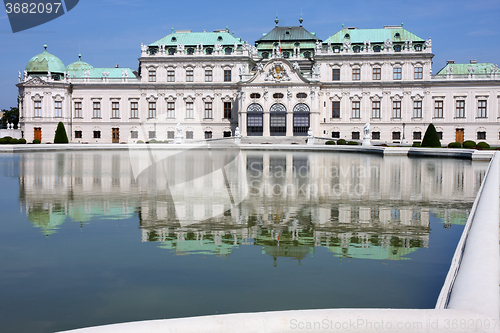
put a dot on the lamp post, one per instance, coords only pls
(403, 142)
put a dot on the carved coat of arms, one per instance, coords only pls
(277, 73)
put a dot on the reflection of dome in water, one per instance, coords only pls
(295, 252)
(205, 247)
(48, 221)
(373, 252)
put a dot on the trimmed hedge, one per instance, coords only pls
(353, 143)
(4, 141)
(13, 142)
(140, 141)
(469, 144)
(36, 141)
(416, 144)
(60, 136)
(330, 142)
(454, 145)
(431, 138)
(341, 142)
(482, 145)
(21, 141)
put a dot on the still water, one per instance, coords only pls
(92, 238)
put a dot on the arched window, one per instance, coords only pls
(307, 54)
(301, 119)
(277, 95)
(277, 119)
(301, 95)
(255, 120)
(356, 49)
(255, 95)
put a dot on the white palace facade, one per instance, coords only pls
(287, 82)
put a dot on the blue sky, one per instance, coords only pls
(109, 32)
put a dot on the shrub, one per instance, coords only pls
(330, 142)
(3, 141)
(469, 144)
(14, 142)
(353, 143)
(483, 145)
(60, 136)
(37, 141)
(431, 138)
(140, 141)
(416, 144)
(7, 139)
(454, 145)
(21, 141)
(341, 142)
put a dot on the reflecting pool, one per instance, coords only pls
(92, 238)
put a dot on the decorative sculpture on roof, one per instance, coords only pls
(260, 67)
(318, 47)
(296, 66)
(255, 52)
(388, 44)
(347, 46)
(410, 45)
(235, 46)
(428, 43)
(218, 47)
(277, 72)
(144, 48)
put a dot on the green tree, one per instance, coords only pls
(60, 136)
(431, 138)
(10, 116)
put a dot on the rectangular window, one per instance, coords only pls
(355, 135)
(170, 110)
(397, 73)
(97, 134)
(189, 110)
(189, 134)
(438, 109)
(396, 135)
(208, 75)
(208, 135)
(481, 108)
(376, 109)
(335, 109)
(152, 75)
(151, 134)
(460, 109)
(355, 109)
(417, 109)
(170, 134)
(134, 134)
(356, 74)
(227, 75)
(336, 74)
(227, 110)
(38, 109)
(208, 110)
(170, 75)
(396, 109)
(375, 135)
(336, 135)
(97, 110)
(440, 135)
(481, 135)
(377, 73)
(417, 135)
(419, 72)
(134, 110)
(78, 134)
(189, 75)
(57, 109)
(78, 109)
(115, 110)
(152, 110)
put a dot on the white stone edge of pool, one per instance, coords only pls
(469, 300)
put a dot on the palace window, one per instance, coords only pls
(228, 50)
(417, 109)
(189, 75)
(57, 109)
(38, 108)
(170, 110)
(286, 54)
(190, 51)
(255, 95)
(189, 134)
(335, 109)
(307, 54)
(97, 134)
(377, 73)
(134, 134)
(440, 135)
(115, 110)
(417, 135)
(278, 95)
(481, 135)
(376, 48)
(396, 109)
(171, 76)
(227, 110)
(151, 134)
(356, 74)
(355, 135)
(419, 72)
(376, 109)
(397, 73)
(152, 110)
(397, 48)
(189, 110)
(152, 75)
(481, 108)
(208, 134)
(418, 47)
(208, 110)
(336, 135)
(355, 109)
(375, 135)
(336, 74)
(78, 134)
(78, 109)
(170, 135)
(356, 49)
(301, 95)
(209, 51)
(227, 75)
(208, 75)
(265, 55)
(97, 110)
(438, 109)
(396, 135)
(460, 109)
(134, 110)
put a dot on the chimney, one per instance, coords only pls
(473, 61)
(450, 62)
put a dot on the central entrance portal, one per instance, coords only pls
(277, 125)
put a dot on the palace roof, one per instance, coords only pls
(189, 38)
(355, 35)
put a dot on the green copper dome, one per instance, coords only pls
(78, 65)
(44, 63)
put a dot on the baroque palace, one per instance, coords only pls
(290, 80)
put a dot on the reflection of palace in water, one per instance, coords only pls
(361, 206)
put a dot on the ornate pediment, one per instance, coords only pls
(277, 73)
(36, 82)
